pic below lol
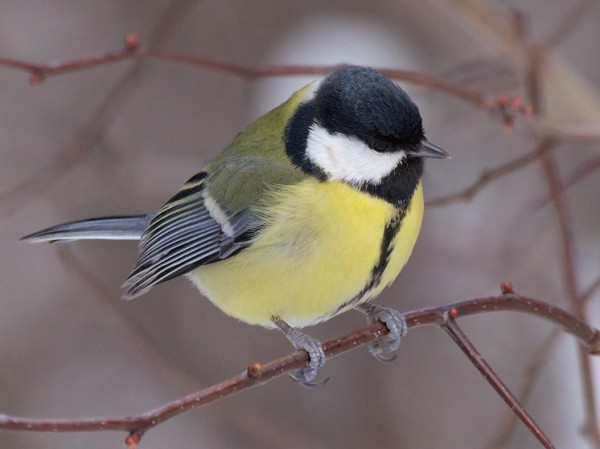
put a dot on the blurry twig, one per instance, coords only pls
(536, 54)
(491, 175)
(93, 131)
(581, 172)
(554, 182)
(124, 328)
(456, 333)
(133, 50)
(531, 374)
(510, 33)
(257, 373)
(550, 138)
(587, 294)
(568, 23)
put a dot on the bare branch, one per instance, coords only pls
(94, 130)
(492, 175)
(254, 423)
(568, 22)
(455, 332)
(531, 374)
(536, 54)
(257, 373)
(581, 172)
(587, 294)
(132, 50)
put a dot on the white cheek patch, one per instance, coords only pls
(348, 158)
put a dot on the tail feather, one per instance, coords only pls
(105, 228)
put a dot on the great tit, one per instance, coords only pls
(312, 210)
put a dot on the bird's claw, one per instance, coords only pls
(316, 355)
(397, 328)
(380, 357)
(316, 359)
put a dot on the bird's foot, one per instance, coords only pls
(396, 324)
(316, 356)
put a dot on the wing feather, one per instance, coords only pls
(184, 234)
(195, 227)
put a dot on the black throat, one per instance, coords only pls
(398, 187)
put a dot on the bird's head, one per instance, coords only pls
(359, 127)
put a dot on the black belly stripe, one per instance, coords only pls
(387, 246)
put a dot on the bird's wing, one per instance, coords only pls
(209, 219)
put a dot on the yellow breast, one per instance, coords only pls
(315, 253)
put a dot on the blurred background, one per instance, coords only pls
(122, 138)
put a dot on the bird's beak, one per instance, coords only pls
(427, 149)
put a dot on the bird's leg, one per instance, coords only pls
(314, 349)
(396, 325)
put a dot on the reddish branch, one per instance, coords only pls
(550, 138)
(258, 373)
(536, 54)
(456, 333)
(587, 294)
(489, 176)
(581, 172)
(508, 108)
(531, 373)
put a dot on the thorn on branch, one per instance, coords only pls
(509, 108)
(254, 370)
(507, 288)
(36, 77)
(132, 42)
(133, 439)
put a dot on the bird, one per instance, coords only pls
(311, 211)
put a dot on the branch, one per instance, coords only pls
(587, 294)
(508, 108)
(531, 374)
(581, 172)
(536, 58)
(256, 424)
(568, 22)
(94, 129)
(489, 176)
(257, 373)
(456, 333)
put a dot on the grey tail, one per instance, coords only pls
(106, 228)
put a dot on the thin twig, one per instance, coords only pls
(257, 373)
(550, 136)
(260, 426)
(576, 134)
(590, 427)
(587, 294)
(581, 172)
(94, 130)
(555, 188)
(568, 22)
(489, 176)
(456, 333)
(531, 374)
(536, 54)
(132, 50)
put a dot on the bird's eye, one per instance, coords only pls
(380, 146)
